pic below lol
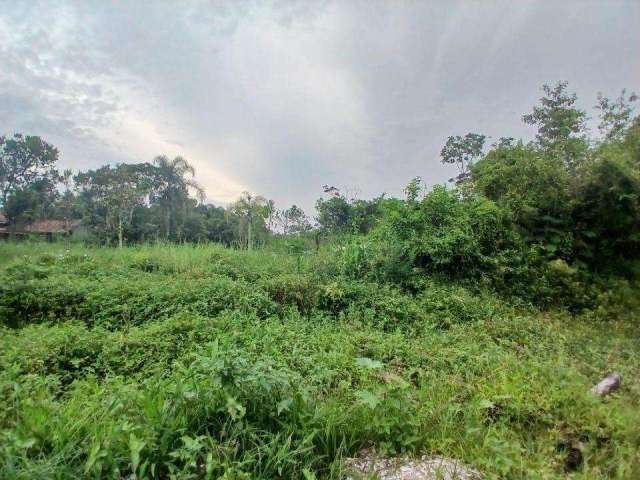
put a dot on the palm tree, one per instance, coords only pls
(172, 188)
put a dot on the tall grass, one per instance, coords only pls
(169, 361)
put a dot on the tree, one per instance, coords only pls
(341, 213)
(294, 220)
(250, 207)
(607, 212)
(561, 126)
(462, 151)
(33, 201)
(615, 116)
(118, 191)
(535, 188)
(606, 203)
(334, 214)
(220, 226)
(413, 189)
(171, 191)
(24, 160)
(67, 199)
(272, 215)
(445, 232)
(22, 206)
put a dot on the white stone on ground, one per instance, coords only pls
(369, 465)
(607, 385)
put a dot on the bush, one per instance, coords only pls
(115, 300)
(297, 290)
(197, 374)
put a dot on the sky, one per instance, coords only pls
(280, 98)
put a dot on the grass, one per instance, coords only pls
(202, 362)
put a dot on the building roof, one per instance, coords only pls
(53, 226)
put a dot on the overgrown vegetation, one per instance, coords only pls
(469, 320)
(201, 362)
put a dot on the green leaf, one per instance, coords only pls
(26, 444)
(369, 399)
(94, 455)
(135, 447)
(284, 405)
(486, 404)
(308, 474)
(234, 408)
(368, 363)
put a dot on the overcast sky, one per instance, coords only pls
(281, 98)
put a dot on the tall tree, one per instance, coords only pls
(561, 125)
(294, 220)
(22, 206)
(67, 198)
(117, 191)
(615, 115)
(462, 152)
(24, 160)
(272, 215)
(333, 214)
(174, 180)
(250, 207)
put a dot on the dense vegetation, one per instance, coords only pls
(202, 361)
(468, 320)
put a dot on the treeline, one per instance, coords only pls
(159, 200)
(570, 196)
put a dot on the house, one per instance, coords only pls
(44, 226)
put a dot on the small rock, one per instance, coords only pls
(368, 464)
(607, 385)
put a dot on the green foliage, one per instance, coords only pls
(114, 193)
(333, 213)
(123, 298)
(294, 221)
(171, 185)
(535, 191)
(339, 214)
(252, 210)
(462, 152)
(22, 205)
(24, 161)
(561, 125)
(202, 362)
(447, 233)
(616, 115)
(607, 211)
(415, 327)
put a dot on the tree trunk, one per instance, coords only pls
(249, 235)
(119, 232)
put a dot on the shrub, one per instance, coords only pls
(116, 300)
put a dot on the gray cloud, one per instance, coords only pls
(281, 98)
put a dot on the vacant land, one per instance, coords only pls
(205, 362)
